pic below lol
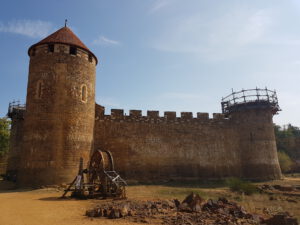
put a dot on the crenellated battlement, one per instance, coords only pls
(240, 143)
(45, 49)
(153, 116)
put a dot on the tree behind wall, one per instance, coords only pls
(4, 135)
(285, 162)
(288, 145)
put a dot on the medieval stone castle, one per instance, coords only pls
(61, 123)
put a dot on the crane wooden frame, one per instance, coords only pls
(102, 180)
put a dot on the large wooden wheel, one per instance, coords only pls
(103, 180)
(100, 161)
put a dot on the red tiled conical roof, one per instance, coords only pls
(63, 36)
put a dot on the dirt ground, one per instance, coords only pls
(42, 206)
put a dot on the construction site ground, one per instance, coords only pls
(43, 206)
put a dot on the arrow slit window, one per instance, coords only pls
(39, 89)
(83, 93)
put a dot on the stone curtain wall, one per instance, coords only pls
(159, 148)
(15, 144)
(3, 164)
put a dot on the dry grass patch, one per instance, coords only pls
(256, 203)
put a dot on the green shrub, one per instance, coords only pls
(285, 162)
(241, 186)
(4, 135)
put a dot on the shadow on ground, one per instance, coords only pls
(8, 186)
(58, 198)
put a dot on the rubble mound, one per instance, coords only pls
(192, 210)
(281, 219)
(290, 190)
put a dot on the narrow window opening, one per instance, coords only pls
(84, 93)
(90, 58)
(51, 48)
(33, 52)
(73, 50)
(39, 90)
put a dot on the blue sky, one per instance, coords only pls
(167, 55)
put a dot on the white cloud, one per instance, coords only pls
(224, 36)
(255, 27)
(29, 28)
(104, 41)
(158, 5)
(240, 27)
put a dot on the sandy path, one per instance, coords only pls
(41, 207)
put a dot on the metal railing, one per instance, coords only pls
(253, 96)
(15, 107)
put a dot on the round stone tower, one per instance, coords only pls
(60, 110)
(252, 114)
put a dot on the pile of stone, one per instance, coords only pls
(125, 208)
(192, 210)
(282, 188)
(281, 219)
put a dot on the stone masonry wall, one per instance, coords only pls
(3, 164)
(59, 118)
(157, 148)
(15, 144)
(257, 143)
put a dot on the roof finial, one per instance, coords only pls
(66, 22)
